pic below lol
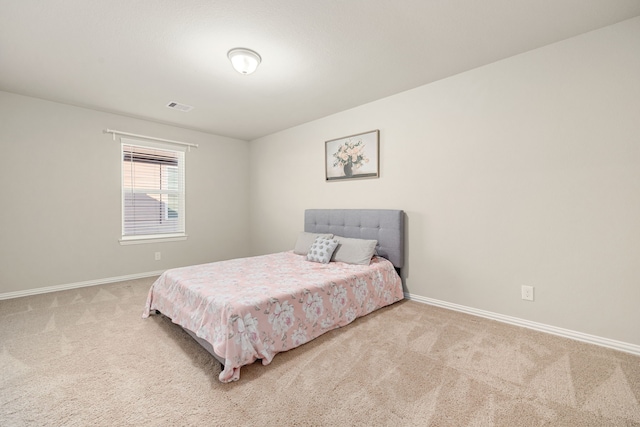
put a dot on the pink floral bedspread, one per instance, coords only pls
(253, 308)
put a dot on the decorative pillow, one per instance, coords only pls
(305, 240)
(321, 250)
(354, 251)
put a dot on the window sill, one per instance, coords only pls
(138, 240)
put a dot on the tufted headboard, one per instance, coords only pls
(384, 225)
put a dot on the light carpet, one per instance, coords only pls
(85, 357)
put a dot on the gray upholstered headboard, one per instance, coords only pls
(384, 225)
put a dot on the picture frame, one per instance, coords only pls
(353, 157)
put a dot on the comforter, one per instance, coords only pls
(253, 308)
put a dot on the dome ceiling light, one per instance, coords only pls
(244, 61)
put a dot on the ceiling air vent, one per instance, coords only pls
(182, 107)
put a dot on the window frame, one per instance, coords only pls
(132, 239)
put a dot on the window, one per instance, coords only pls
(152, 191)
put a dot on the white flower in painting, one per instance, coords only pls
(350, 314)
(299, 337)
(338, 298)
(350, 153)
(281, 318)
(360, 290)
(313, 307)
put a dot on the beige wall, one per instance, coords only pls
(60, 192)
(522, 172)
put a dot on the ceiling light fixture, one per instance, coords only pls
(245, 61)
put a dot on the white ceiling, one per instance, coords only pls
(319, 56)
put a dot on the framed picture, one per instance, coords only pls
(354, 156)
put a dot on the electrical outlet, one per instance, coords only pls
(157, 256)
(527, 293)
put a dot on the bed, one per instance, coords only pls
(249, 309)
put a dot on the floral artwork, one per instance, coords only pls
(350, 154)
(354, 156)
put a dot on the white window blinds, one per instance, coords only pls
(152, 191)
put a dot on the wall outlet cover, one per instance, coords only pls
(527, 293)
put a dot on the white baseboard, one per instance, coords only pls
(76, 285)
(566, 333)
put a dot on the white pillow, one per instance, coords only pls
(354, 251)
(305, 240)
(321, 250)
